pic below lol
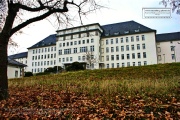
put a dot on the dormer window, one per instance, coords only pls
(107, 34)
(116, 33)
(136, 30)
(126, 32)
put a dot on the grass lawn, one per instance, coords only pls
(147, 92)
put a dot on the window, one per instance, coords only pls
(54, 55)
(83, 49)
(63, 59)
(92, 48)
(67, 51)
(134, 64)
(63, 44)
(79, 42)
(75, 42)
(87, 40)
(132, 47)
(143, 46)
(133, 55)
(123, 64)
(60, 52)
(48, 49)
(172, 48)
(106, 42)
(59, 59)
(112, 49)
(117, 48)
(41, 56)
(112, 57)
(44, 56)
(159, 58)
(173, 56)
(116, 40)
(51, 62)
(122, 56)
(42, 50)
(117, 57)
(41, 63)
(112, 65)
(137, 38)
(127, 39)
(60, 44)
(138, 46)
(32, 57)
(107, 57)
(128, 64)
(132, 38)
(121, 40)
(128, 57)
(71, 43)
(144, 54)
(143, 37)
(107, 49)
(79, 58)
(107, 65)
(32, 63)
(145, 62)
(139, 63)
(45, 49)
(67, 59)
(54, 48)
(83, 42)
(139, 55)
(51, 48)
(122, 48)
(117, 65)
(71, 59)
(47, 62)
(83, 58)
(75, 50)
(127, 47)
(39, 50)
(51, 55)
(111, 41)
(33, 51)
(159, 49)
(92, 40)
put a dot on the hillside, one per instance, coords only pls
(147, 92)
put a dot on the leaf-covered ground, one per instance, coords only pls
(151, 92)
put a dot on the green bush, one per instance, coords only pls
(75, 66)
(28, 74)
(53, 69)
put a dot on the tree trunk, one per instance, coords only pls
(3, 68)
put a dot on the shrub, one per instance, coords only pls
(42, 73)
(54, 69)
(75, 66)
(28, 74)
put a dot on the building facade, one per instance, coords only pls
(15, 69)
(109, 46)
(168, 47)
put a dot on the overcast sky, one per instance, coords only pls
(119, 11)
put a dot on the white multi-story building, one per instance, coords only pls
(168, 47)
(111, 46)
(74, 43)
(42, 55)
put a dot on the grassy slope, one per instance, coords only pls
(133, 92)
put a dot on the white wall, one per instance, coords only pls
(11, 71)
(23, 61)
(40, 63)
(150, 50)
(165, 53)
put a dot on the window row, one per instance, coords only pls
(79, 42)
(38, 57)
(80, 58)
(126, 39)
(125, 56)
(44, 63)
(173, 57)
(128, 64)
(123, 48)
(41, 50)
(37, 70)
(76, 50)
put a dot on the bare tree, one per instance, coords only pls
(174, 4)
(13, 15)
(91, 59)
